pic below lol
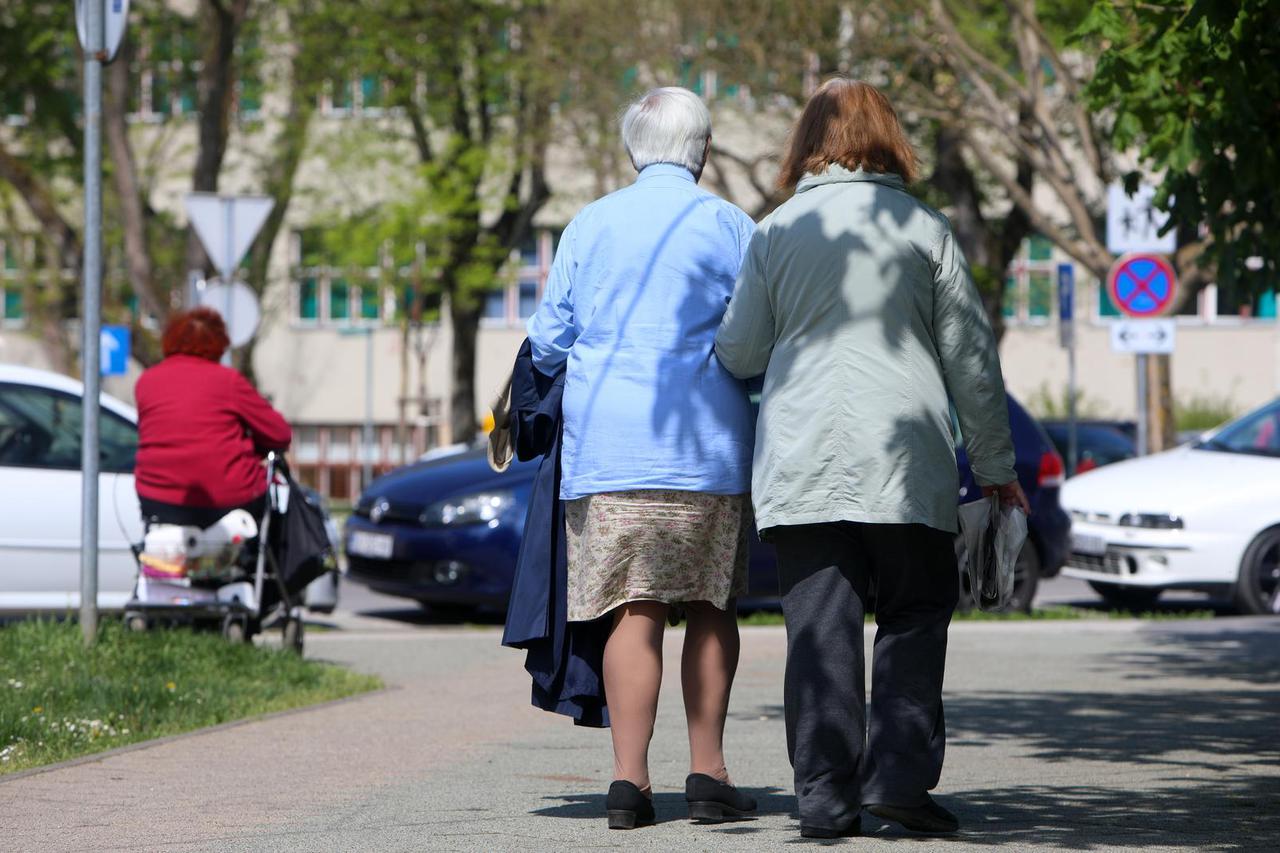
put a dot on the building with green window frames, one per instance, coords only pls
(329, 307)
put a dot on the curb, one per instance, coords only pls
(148, 744)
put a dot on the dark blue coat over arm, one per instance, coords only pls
(566, 659)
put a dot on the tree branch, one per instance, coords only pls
(40, 201)
(1088, 252)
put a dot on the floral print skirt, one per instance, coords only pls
(655, 545)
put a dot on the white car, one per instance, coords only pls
(1204, 516)
(40, 426)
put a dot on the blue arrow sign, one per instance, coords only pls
(114, 352)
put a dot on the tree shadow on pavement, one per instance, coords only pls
(1175, 756)
(1228, 813)
(1245, 650)
(1220, 744)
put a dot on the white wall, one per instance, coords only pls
(1238, 363)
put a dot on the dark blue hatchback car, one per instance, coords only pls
(446, 531)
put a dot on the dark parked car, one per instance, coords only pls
(1098, 443)
(446, 532)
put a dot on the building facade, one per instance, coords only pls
(365, 390)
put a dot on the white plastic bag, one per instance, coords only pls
(993, 537)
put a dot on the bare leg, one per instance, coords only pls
(632, 677)
(707, 667)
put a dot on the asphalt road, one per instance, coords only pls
(358, 599)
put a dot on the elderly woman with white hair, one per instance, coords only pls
(658, 436)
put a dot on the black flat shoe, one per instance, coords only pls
(627, 806)
(713, 801)
(929, 817)
(850, 831)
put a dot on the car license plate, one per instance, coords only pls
(1083, 543)
(364, 544)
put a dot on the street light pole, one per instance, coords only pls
(366, 473)
(91, 318)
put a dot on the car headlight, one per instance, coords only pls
(1151, 521)
(471, 509)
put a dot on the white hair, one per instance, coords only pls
(667, 125)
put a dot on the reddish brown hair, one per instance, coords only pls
(199, 332)
(850, 123)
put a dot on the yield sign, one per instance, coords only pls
(1142, 285)
(226, 225)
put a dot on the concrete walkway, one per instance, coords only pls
(1064, 736)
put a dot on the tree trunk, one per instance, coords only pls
(128, 188)
(988, 248)
(1162, 427)
(40, 200)
(464, 317)
(215, 90)
(289, 145)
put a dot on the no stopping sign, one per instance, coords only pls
(1142, 285)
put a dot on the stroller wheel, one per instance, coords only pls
(135, 622)
(292, 634)
(233, 629)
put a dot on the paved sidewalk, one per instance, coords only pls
(1064, 736)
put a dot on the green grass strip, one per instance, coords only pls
(59, 700)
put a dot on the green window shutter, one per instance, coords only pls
(341, 94)
(10, 257)
(1009, 308)
(308, 304)
(160, 93)
(1106, 308)
(1039, 248)
(339, 300)
(1267, 305)
(371, 92)
(369, 299)
(1040, 294)
(250, 96)
(13, 303)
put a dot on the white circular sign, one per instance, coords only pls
(115, 18)
(238, 305)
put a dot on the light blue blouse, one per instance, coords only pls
(638, 287)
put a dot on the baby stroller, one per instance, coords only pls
(241, 574)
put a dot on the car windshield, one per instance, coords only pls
(1257, 434)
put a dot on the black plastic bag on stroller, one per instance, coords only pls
(299, 539)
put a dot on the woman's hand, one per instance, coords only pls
(1011, 495)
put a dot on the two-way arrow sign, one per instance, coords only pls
(1150, 337)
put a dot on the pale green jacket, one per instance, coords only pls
(857, 305)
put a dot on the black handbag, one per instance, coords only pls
(304, 550)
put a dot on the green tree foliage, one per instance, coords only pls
(1195, 86)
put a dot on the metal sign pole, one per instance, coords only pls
(1073, 432)
(366, 472)
(91, 320)
(1067, 333)
(1142, 404)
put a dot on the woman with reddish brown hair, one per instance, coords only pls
(856, 305)
(202, 429)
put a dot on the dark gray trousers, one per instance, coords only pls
(828, 574)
